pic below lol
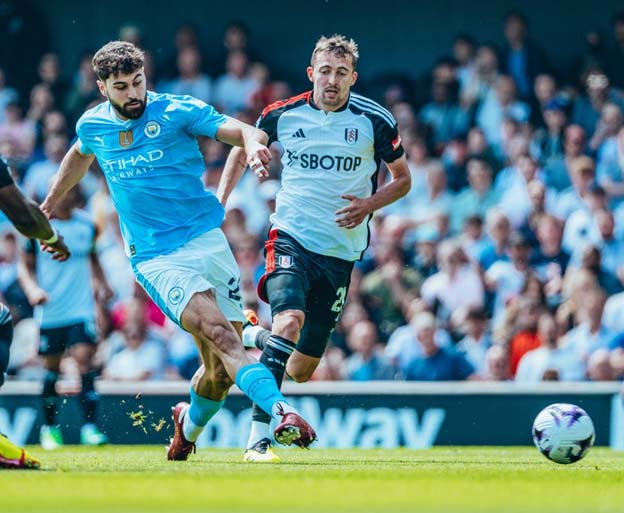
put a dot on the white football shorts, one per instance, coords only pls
(204, 263)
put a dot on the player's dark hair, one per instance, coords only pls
(338, 45)
(117, 57)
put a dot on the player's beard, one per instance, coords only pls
(130, 112)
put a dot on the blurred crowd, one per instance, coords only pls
(504, 262)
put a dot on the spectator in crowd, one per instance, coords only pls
(190, 80)
(442, 114)
(480, 78)
(496, 363)
(610, 170)
(548, 361)
(499, 105)
(388, 289)
(613, 315)
(580, 227)
(367, 362)
(455, 288)
(544, 92)
(498, 229)
(233, 90)
(7, 95)
(37, 178)
(84, 89)
(478, 197)
(582, 175)
(472, 238)
(435, 363)
(550, 260)
(599, 367)
(590, 335)
(557, 169)
(547, 143)
(523, 316)
(49, 71)
(19, 132)
(142, 355)
(588, 107)
(522, 59)
(464, 50)
(506, 277)
(475, 345)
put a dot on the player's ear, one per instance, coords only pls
(310, 72)
(354, 77)
(102, 88)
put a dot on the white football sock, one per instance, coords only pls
(259, 430)
(249, 336)
(280, 408)
(190, 430)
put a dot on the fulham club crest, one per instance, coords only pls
(284, 261)
(351, 135)
(125, 138)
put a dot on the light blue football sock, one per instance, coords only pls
(202, 409)
(257, 383)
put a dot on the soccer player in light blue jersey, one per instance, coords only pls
(146, 145)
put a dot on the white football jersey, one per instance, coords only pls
(326, 155)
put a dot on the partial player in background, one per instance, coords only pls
(333, 141)
(31, 222)
(146, 144)
(63, 298)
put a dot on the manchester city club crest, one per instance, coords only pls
(152, 129)
(351, 135)
(126, 138)
(176, 294)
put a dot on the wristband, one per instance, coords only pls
(52, 240)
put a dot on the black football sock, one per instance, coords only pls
(49, 397)
(88, 396)
(275, 354)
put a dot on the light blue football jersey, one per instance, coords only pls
(68, 284)
(153, 167)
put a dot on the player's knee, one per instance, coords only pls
(288, 324)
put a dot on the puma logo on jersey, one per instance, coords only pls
(299, 134)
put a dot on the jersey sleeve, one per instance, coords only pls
(82, 138)
(388, 145)
(5, 175)
(267, 122)
(199, 118)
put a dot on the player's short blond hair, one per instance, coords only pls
(338, 45)
(117, 57)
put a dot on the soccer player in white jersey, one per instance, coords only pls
(333, 141)
(146, 145)
(31, 222)
(64, 306)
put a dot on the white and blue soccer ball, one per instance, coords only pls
(563, 433)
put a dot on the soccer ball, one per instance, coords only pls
(563, 433)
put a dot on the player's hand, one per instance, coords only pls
(258, 158)
(37, 296)
(59, 249)
(103, 293)
(353, 214)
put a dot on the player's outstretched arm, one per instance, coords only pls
(30, 221)
(252, 139)
(235, 165)
(73, 168)
(359, 208)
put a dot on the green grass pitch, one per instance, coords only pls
(137, 479)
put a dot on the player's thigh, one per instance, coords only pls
(286, 281)
(52, 343)
(213, 333)
(324, 302)
(82, 343)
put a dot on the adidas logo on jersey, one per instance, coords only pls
(299, 134)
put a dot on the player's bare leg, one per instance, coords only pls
(204, 320)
